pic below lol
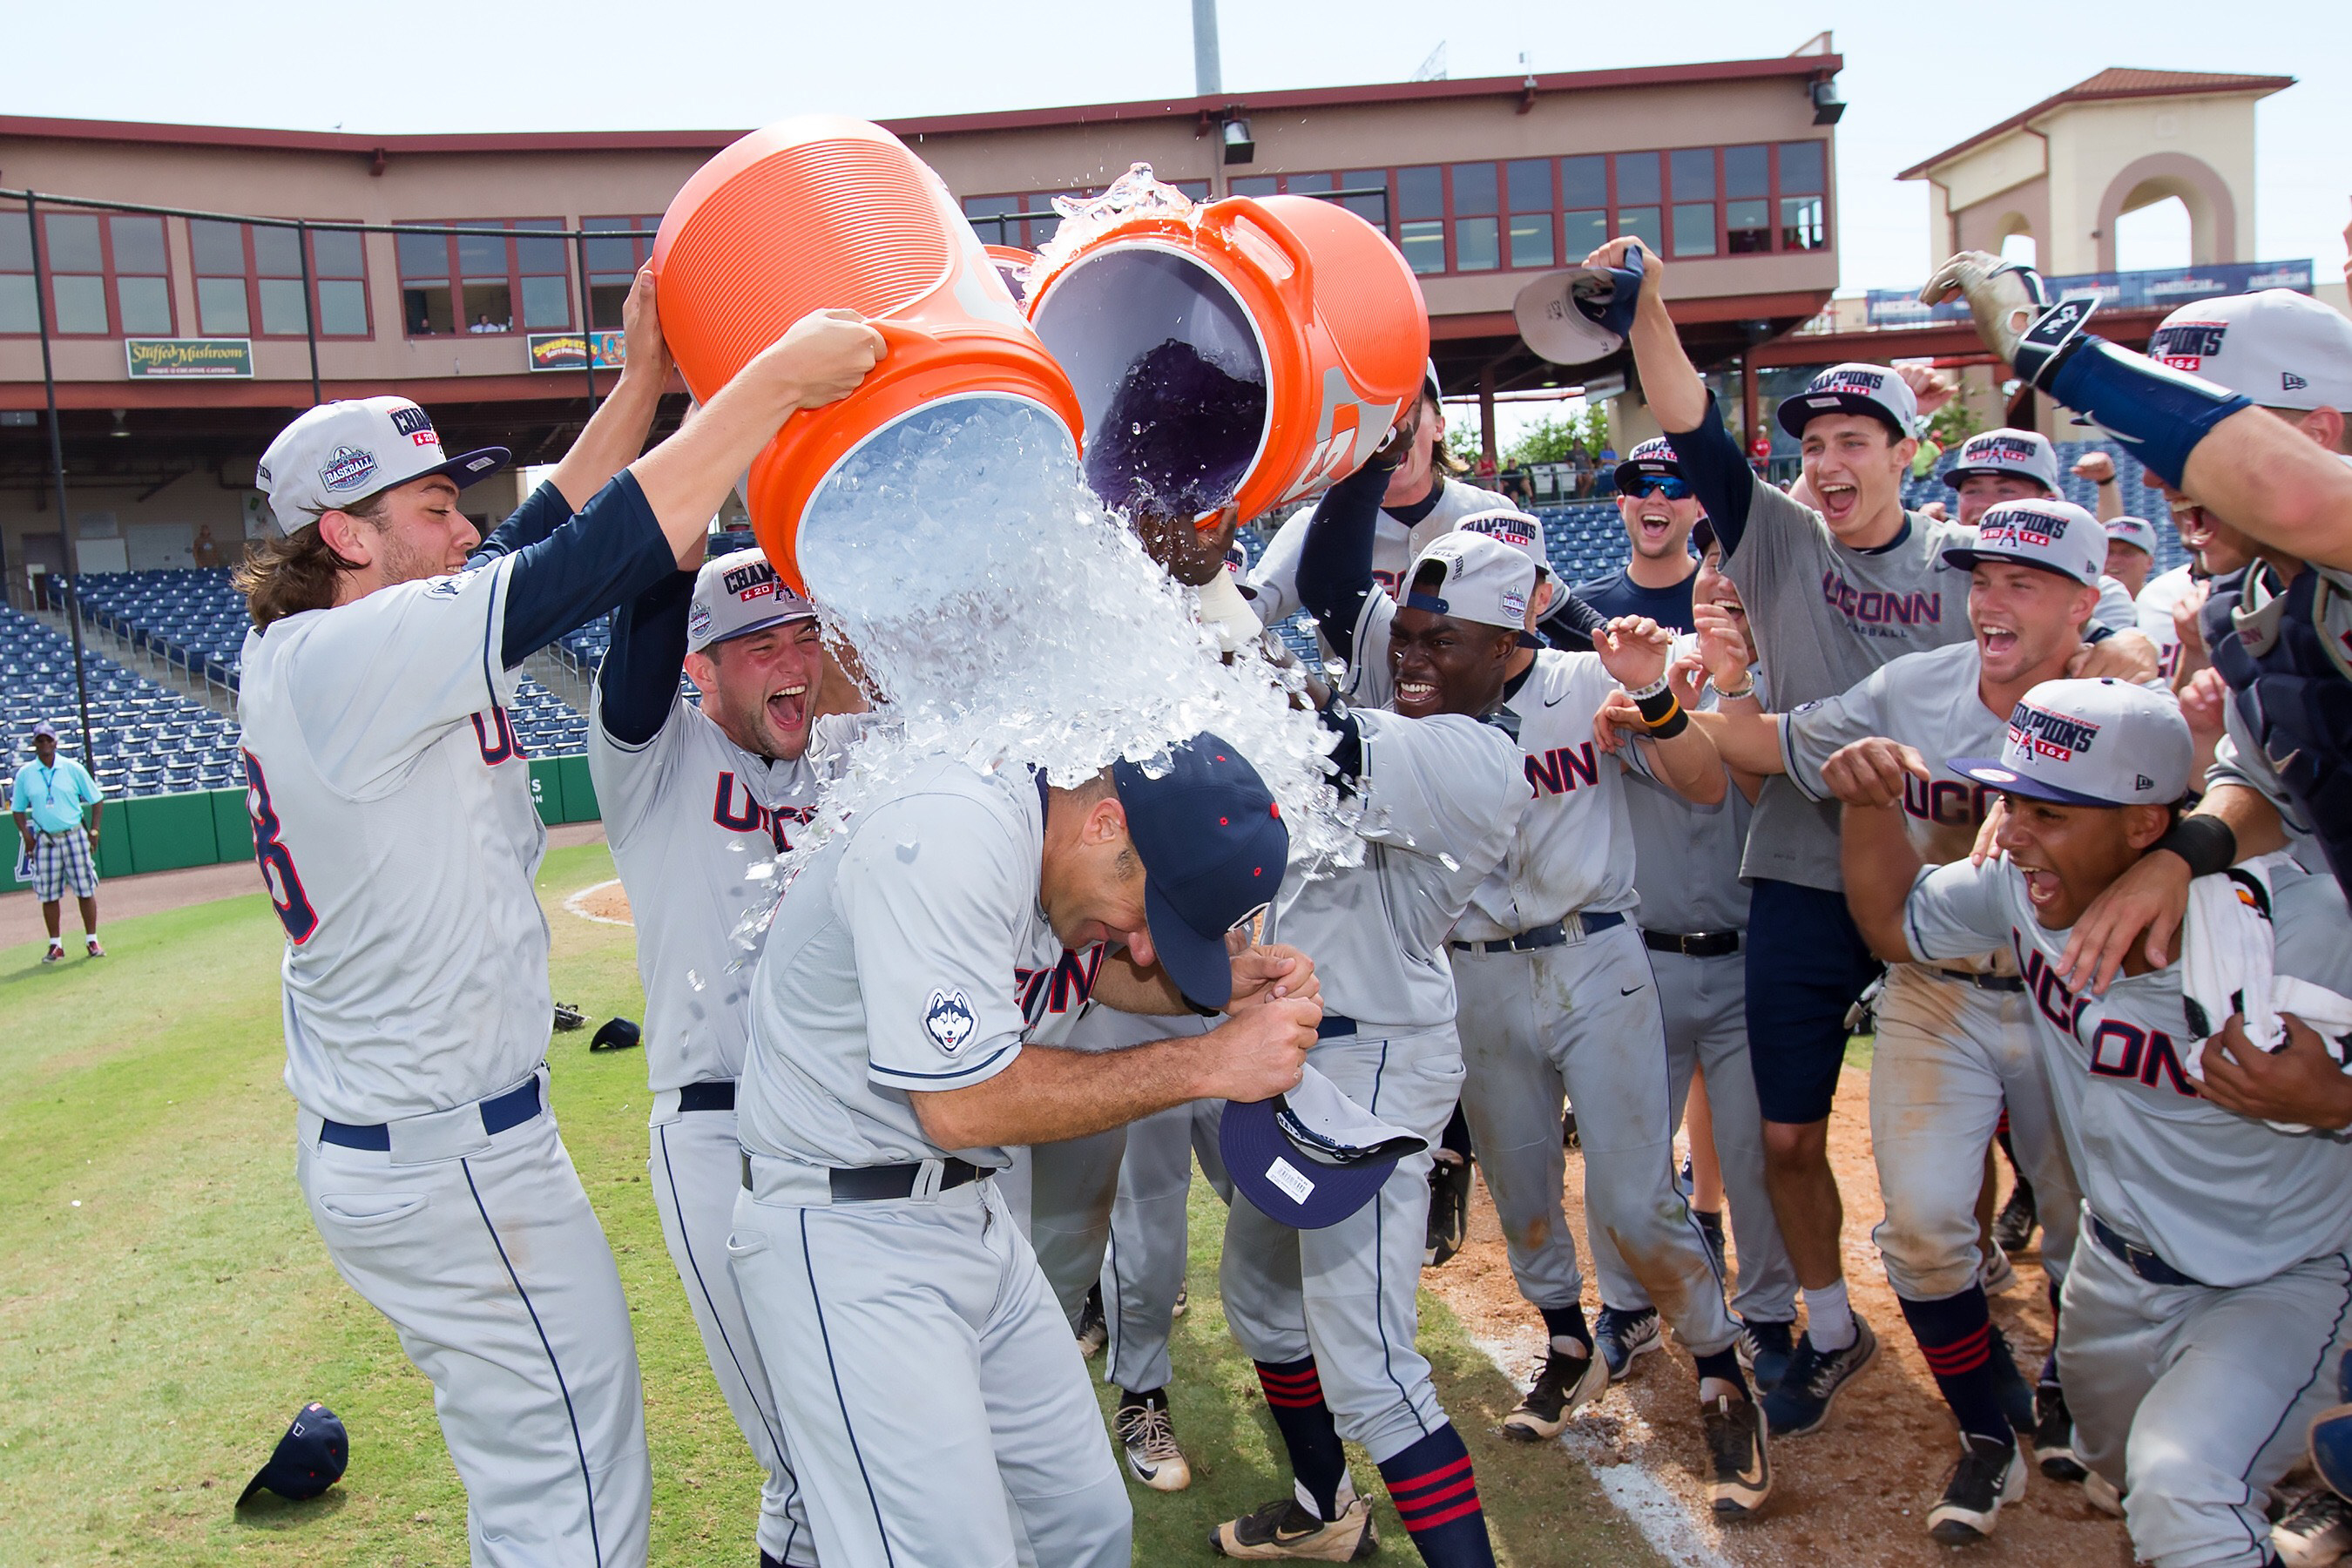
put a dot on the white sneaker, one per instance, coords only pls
(2101, 1494)
(1149, 1441)
(1997, 1274)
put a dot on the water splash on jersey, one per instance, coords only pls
(1006, 618)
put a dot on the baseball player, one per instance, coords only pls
(1547, 924)
(2209, 1301)
(47, 798)
(1997, 466)
(394, 829)
(920, 971)
(1954, 1043)
(1330, 1314)
(1657, 505)
(697, 802)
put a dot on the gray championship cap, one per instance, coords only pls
(2027, 454)
(339, 454)
(738, 594)
(2091, 743)
(1485, 581)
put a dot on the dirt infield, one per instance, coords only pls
(1856, 1491)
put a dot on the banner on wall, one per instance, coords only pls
(563, 351)
(189, 358)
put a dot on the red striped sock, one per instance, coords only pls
(1436, 1494)
(1294, 1396)
(1955, 1335)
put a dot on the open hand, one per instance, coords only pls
(2152, 896)
(1723, 643)
(1633, 648)
(647, 351)
(1619, 718)
(2005, 298)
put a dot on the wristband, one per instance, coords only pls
(2158, 413)
(2207, 843)
(1646, 692)
(1741, 695)
(1662, 715)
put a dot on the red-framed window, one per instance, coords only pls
(612, 263)
(249, 280)
(1364, 192)
(110, 276)
(997, 219)
(484, 284)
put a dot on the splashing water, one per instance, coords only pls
(1007, 619)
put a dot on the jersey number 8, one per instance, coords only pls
(277, 873)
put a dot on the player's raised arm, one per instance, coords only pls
(1334, 576)
(1880, 865)
(615, 433)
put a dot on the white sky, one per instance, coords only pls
(1918, 78)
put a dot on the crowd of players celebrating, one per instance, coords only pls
(1650, 847)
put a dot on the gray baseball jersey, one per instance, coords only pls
(908, 953)
(690, 815)
(2223, 1199)
(394, 822)
(1441, 797)
(1687, 856)
(1396, 544)
(1824, 616)
(2154, 616)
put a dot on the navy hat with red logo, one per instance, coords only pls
(1653, 458)
(1214, 848)
(309, 1459)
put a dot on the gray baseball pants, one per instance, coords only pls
(1143, 1267)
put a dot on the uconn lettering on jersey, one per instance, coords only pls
(754, 817)
(1947, 803)
(1561, 768)
(1871, 608)
(1060, 989)
(2119, 1048)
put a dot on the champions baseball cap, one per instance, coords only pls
(738, 594)
(1312, 1157)
(1213, 846)
(2282, 349)
(309, 1459)
(1653, 458)
(1487, 581)
(339, 454)
(1853, 388)
(1517, 529)
(2025, 453)
(2136, 531)
(2055, 535)
(1580, 314)
(2091, 743)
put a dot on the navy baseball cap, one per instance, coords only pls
(1312, 1157)
(1653, 458)
(309, 1458)
(1213, 846)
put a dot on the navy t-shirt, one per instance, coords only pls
(1619, 594)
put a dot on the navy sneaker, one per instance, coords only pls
(1621, 1336)
(1802, 1400)
(1765, 1348)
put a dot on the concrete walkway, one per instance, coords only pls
(119, 898)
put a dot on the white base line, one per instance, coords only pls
(1664, 1520)
(577, 904)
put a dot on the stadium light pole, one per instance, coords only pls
(1208, 69)
(58, 476)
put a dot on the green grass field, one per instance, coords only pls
(165, 1305)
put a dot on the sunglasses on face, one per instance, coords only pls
(1662, 484)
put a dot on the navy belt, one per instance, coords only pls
(1552, 935)
(2011, 982)
(877, 1184)
(719, 1094)
(2138, 1260)
(1335, 1026)
(506, 1111)
(1692, 944)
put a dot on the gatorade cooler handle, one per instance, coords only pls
(1299, 286)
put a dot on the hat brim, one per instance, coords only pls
(808, 614)
(1284, 1184)
(1796, 412)
(260, 1483)
(1647, 467)
(1968, 559)
(467, 467)
(1200, 965)
(1992, 771)
(1952, 476)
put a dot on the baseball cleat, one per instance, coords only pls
(1149, 1442)
(1563, 1385)
(2013, 1227)
(1997, 1273)
(2314, 1533)
(1449, 1206)
(1093, 1333)
(95, 949)
(2102, 1494)
(1285, 1529)
(1621, 1336)
(1814, 1379)
(1738, 1450)
(1183, 1299)
(2054, 1435)
(1764, 1349)
(1990, 1473)
(57, 953)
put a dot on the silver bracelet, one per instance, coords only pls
(1650, 690)
(1745, 691)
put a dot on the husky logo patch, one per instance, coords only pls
(947, 1019)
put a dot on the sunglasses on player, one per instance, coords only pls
(1665, 484)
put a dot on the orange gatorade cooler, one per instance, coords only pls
(1013, 265)
(1249, 353)
(819, 212)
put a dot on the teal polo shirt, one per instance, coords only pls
(53, 797)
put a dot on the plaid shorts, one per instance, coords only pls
(62, 857)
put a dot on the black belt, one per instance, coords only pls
(1692, 944)
(719, 1094)
(875, 1183)
(2138, 1260)
(1552, 935)
(511, 1108)
(2011, 982)
(1334, 1025)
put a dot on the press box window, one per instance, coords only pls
(249, 276)
(1747, 199)
(1584, 206)
(1420, 217)
(1640, 196)
(90, 257)
(1528, 183)
(612, 263)
(19, 310)
(1694, 205)
(1804, 220)
(485, 283)
(1477, 241)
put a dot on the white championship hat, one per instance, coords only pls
(2091, 743)
(1521, 532)
(1853, 388)
(2025, 453)
(339, 454)
(2282, 349)
(2055, 535)
(2136, 531)
(1485, 581)
(1580, 314)
(738, 594)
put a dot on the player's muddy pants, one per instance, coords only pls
(1344, 1294)
(1582, 1019)
(1143, 1267)
(696, 1168)
(1948, 1054)
(1704, 1002)
(482, 1250)
(938, 1410)
(2195, 1400)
